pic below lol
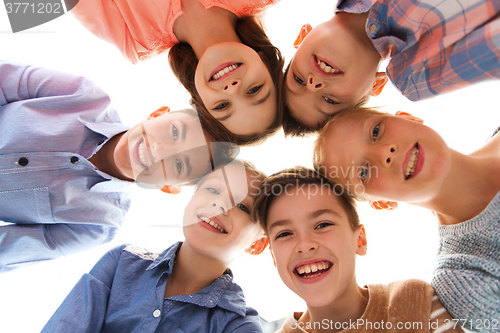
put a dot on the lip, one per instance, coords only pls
(314, 61)
(420, 161)
(314, 279)
(222, 67)
(135, 151)
(209, 227)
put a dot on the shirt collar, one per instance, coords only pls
(223, 292)
(110, 126)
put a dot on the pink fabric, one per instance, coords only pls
(142, 29)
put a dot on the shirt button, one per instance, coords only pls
(156, 313)
(74, 159)
(23, 161)
(373, 28)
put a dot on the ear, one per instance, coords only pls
(272, 255)
(362, 242)
(171, 189)
(379, 83)
(258, 246)
(383, 205)
(306, 28)
(159, 112)
(409, 116)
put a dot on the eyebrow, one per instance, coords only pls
(311, 215)
(225, 117)
(184, 129)
(188, 167)
(263, 99)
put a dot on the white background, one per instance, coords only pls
(401, 243)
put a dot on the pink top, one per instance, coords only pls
(142, 29)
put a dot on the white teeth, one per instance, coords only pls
(412, 162)
(212, 223)
(326, 68)
(223, 71)
(319, 267)
(142, 154)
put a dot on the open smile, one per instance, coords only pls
(224, 71)
(324, 68)
(413, 162)
(212, 223)
(310, 272)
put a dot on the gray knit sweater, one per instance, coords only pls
(467, 276)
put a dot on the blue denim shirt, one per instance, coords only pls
(53, 201)
(124, 292)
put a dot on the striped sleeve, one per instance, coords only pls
(440, 320)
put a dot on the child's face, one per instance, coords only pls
(310, 232)
(311, 93)
(217, 220)
(386, 157)
(168, 149)
(236, 88)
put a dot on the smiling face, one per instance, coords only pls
(331, 71)
(386, 157)
(236, 88)
(167, 149)
(314, 246)
(217, 220)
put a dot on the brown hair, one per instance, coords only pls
(319, 143)
(292, 127)
(297, 176)
(251, 32)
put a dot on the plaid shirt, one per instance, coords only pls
(437, 45)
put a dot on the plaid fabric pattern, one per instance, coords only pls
(438, 45)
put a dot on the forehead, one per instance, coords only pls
(304, 202)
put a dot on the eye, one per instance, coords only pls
(322, 225)
(298, 80)
(282, 234)
(363, 173)
(221, 106)
(178, 165)
(375, 132)
(244, 208)
(175, 132)
(329, 100)
(213, 191)
(254, 90)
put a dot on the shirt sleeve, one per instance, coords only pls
(88, 299)
(20, 82)
(22, 244)
(440, 320)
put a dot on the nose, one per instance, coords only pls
(215, 204)
(305, 244)
(386, 154)
(161, 150)
(314, 84)
(232, 86)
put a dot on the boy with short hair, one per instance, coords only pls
(314, 235)
(432, 48)
(66, 158)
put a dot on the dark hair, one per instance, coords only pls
(292, 127)
(251, 32)
(297, 176)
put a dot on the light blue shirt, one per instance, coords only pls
(124, 292)
(53, 201)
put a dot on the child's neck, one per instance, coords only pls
(347, 308)
(192, 272)
(104, 159)
(471, 184)
(202, 28)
